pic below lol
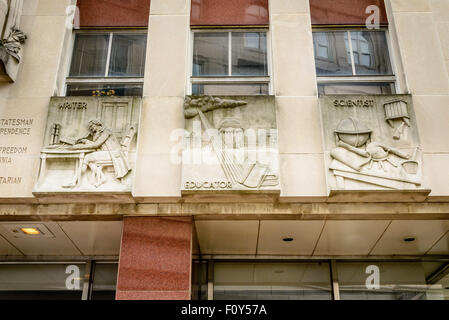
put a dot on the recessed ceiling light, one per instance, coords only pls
(287, 239)
(31, 231)
(409, 239)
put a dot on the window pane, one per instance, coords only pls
(249, 54)
(89, 55)
(390, 281)
(104, 89)
(272, 281)
(105, 281)
(371, 55)
(332, 55)
(210, 54)
(230, 89)
(41, 281)
(356, 88)
(128, 55)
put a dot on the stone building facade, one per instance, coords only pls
(205, 149)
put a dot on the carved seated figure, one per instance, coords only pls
(108, 151)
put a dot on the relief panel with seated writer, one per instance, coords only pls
(90, 145)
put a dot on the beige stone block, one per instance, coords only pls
(52, 7)
(436, 174)
(23, 164)
(410, 5)
(161, 120)
(289, 6)
(156, 176)
(165, 73)
(302, 175)
(432, 114)
(421, 54)
(29, 7)
(169, 7)
(443, 32)
(293, 57)
(39, 67)
(440, 10)
(299, 125)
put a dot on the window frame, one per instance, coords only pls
(229, 79)
(392, 79)
(94, 80)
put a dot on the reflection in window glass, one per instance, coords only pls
(249, 54)
(395, 280)
(371, 55)
(272, 281)
(210, 54)
(41, 281)
(199, 280)
(104, 89)
(104, 281)
(332, 56)
(90, 55)
(230, 89)
(355, 88)
(127, 55)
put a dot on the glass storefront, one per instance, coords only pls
(58, 281)
(390, 281)
(272, 281)
(312, 280)
(240, 280)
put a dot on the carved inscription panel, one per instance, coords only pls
(230, 143)
(90, 145)
(371, 143)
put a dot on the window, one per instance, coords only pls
(230, 63)
(393, 280)
(353, 62)
(272, 281)
(107, 64)
(89, 280)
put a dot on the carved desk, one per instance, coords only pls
(49, 153)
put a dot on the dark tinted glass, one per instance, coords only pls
(210, 54)
(371, 55)
(128, 55)
(249, 54)
(90, 55)
(230, 89)
(332, 54)
(104, 89)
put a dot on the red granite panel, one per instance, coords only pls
(155, 258)
(229, 13)
(153, 295)
(114, 13)
(344, 12)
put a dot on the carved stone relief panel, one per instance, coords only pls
(12, 39)
(230, 143)
(90, 145)
(371, 143)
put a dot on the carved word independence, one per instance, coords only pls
(15, 127)
(353, 103)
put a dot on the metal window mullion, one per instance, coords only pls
(334, 281)
(88, 277)
(210, 280)
(352, 53)
(229, 54)
(108, 59)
